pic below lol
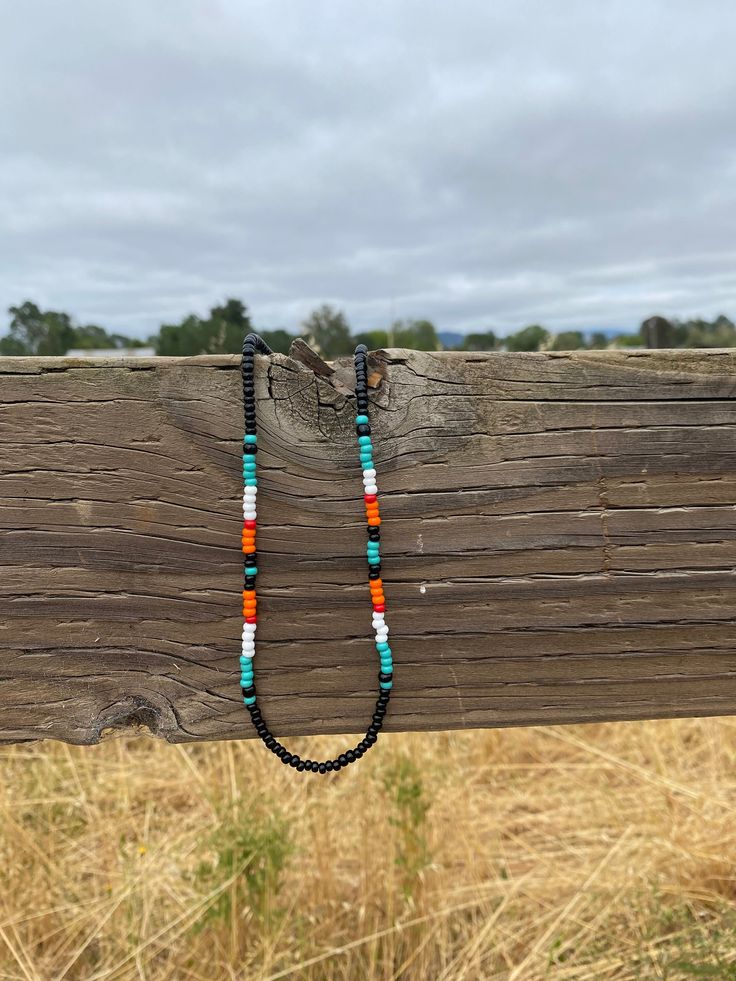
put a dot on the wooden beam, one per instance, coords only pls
(559, 542)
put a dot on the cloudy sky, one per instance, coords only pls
(485, 165)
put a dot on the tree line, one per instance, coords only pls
(33, 331)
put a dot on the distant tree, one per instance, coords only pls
(328, 330)
(278, 340)
(480, 342)
(39, 332)
(374, 340)
(598, 340)
(221, 332)
(51, 333)
(418, 335)
(627, 340)
(11, 347)
(91, 336)
(720, 332)
(568, 340)
(528, 339)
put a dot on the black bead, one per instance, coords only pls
(372, 574)
(374, 533)
(307, 764)
(357, 752)
(370, 738)
(364, 745)
(336, 765)
(271, 742)
(362, 406)
(250, 449)
(322, 768)
(301, 766)
(295, 761)
(372, 730)
(250, 582)
(280, 751)
(248, 692)
(350, 756)
(377, 719)
(363, 429)
(342, 759)
(315, 766)
(286, 758)
(361, 349)
(329, 766)
(251, 558)
(385, 676)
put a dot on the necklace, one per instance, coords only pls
(254, 344)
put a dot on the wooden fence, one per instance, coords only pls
(559, 538)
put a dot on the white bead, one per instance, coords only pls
(250, 654)
(378, 617)
(370, 472)
(248, 645)
(382, 629)
(249, 630)
(371, 489)
(381, 636)
(249, 514)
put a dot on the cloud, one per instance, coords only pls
(483, 165)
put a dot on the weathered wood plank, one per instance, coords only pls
(559, 541)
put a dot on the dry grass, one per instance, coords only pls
(587, 852)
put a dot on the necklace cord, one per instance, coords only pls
(252, 345)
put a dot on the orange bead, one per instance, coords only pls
(371, 521)
(375, 584)
(249, 594)
(249, 549)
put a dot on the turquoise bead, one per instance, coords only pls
(251, 700)
(361, 420)
(251, 481)
(367, 464)
(366, 457)
(250, 438)
(251, 570)
(384, 684)
(383, 647)
(386, 664)
(364, 440)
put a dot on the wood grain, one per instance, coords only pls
(559, 539)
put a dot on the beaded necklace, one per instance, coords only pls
(252, 344)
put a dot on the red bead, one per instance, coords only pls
(379, 607)
(250, 620)
(249, 524)
(370, 498)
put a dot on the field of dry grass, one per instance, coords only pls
(584, 852)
